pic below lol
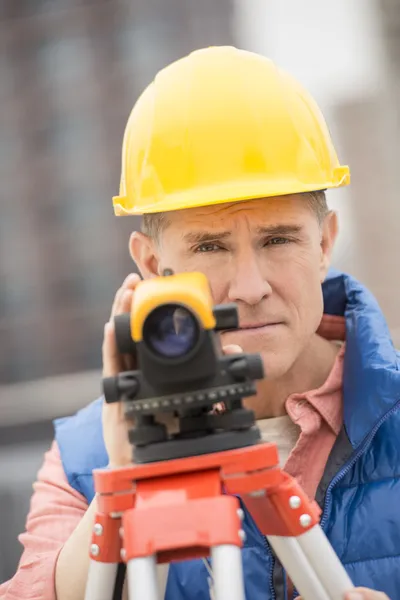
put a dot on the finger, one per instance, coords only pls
(126, 301)
(112, 362)
(129, 283)
(116, 303)
(232, 349)
(115, 428)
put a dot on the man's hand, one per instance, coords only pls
(74, 556)
(115, 425)
(362, 593)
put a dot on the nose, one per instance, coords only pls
(248, 284)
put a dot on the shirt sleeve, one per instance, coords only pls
(55, 511)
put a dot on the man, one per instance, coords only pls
(227, 158)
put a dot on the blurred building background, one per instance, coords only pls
(70, 71)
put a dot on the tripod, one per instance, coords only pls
(179, 500)
(176, 510)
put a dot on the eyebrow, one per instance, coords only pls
(202, 237)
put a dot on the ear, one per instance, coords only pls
(144, 253)
(329, 232)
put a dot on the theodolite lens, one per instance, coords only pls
(171, 331)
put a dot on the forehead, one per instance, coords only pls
(261, 211)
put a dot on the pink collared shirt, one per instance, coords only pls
(319, 414)
(56, 508)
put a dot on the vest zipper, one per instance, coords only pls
(271, 571)
(352, 460)
(346, 468)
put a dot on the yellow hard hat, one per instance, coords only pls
(223, 125)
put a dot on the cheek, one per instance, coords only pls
(217, 279)
(298, 283)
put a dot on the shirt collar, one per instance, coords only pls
(324, 403)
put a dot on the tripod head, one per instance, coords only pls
(173, 333)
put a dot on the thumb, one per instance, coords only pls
(232, 349)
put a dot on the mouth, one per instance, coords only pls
(256, 326)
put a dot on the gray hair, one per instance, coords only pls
(153, 224)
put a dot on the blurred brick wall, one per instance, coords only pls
(70, 72)
(368, 143)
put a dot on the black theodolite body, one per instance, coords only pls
(182, 371)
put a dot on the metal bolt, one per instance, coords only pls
(98, 529)
(94, 550)
(240, 514)
(123, 553)
(305, 520)
(242, 535)
(294, 502)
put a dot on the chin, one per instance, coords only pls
(276, 365)
(272, 342)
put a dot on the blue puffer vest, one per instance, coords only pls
(360, 491)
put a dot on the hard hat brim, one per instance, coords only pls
(227, 193)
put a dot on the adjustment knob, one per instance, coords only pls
(248, 366)
(255, 366)
(110, 389)
(123, 336)
(124, 384)
(226, 316)
(128, 385)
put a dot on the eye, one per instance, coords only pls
(207, 248)
(277, 241)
